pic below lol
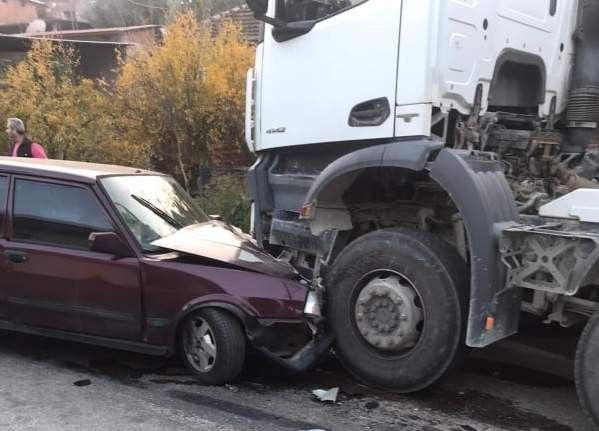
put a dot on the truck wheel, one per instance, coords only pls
(212, 346)
(586, 368)
(397, 303)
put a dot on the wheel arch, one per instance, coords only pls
(324, 196)
(476, 184)
(246, 322)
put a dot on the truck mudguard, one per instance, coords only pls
(408, 154)
(477, 185)
(479, 189)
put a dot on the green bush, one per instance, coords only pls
(226, 196)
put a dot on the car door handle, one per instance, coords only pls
(16, 256)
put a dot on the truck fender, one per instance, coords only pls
(408, 154)
(476, 184)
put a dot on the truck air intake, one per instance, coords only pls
(583, 105)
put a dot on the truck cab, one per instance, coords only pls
(410, 159)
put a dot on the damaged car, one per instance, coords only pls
(124, 258)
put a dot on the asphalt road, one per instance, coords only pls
(121, 391)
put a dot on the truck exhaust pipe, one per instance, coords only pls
(582, 116)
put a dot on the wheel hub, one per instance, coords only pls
(387, 315)
(200, 346)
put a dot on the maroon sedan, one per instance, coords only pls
(123, 258)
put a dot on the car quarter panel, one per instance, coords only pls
(172, 289)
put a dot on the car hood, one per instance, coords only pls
(219, 241)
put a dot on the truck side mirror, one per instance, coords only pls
(109, 243)
(259, 7)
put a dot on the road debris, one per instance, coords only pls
(326, 396)
(84, 382)
(371, 405)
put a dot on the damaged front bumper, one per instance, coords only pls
(296, 346)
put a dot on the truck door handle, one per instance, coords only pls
(370, 113)
(16, 256)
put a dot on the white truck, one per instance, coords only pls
(431, 166)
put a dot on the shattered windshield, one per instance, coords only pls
(153, 207)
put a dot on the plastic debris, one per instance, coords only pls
(84, 382)
(326, 396)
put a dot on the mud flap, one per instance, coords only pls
(477, 185)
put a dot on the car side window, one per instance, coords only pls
(56, 214)
(3, 197)
(312, 10)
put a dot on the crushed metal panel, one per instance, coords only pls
(219, 241)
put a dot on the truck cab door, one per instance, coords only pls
(335, 82)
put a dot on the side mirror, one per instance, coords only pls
(259, 7)
(108, 242)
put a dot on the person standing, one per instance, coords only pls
(20, 144)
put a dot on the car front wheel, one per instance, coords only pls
(212, 346)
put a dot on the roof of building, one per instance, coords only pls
(60, 24)
(251, 28)
(93, 31)
(22, 43)
(66, 169)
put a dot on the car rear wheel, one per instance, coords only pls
(397, 302)
(212, 346)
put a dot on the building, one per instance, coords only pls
(251, 28)
(98, 60)
(30, 16)
(141, 35)
(20, 11)
(67, 10)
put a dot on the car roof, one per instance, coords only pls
(66, 169)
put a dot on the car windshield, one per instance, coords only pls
(152, 206)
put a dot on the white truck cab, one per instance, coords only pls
(374, 69)
(422, 161)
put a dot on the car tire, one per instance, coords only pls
(212, 344)
(586, 369)
(400, 266)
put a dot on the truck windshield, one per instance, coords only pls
(311, 10)
(153, 207)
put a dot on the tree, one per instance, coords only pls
(185, 97)
(72, 117)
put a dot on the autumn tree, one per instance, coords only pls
(185, 97)
(72, 117)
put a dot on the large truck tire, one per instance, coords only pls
(397, 305)
(586, 369)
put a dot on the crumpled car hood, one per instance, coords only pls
(219, 241)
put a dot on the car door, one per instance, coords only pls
(4, 180)
(54, 280)
(336, 82)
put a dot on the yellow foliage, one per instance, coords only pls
(175, 107)
(71, 117)
(186, 97)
